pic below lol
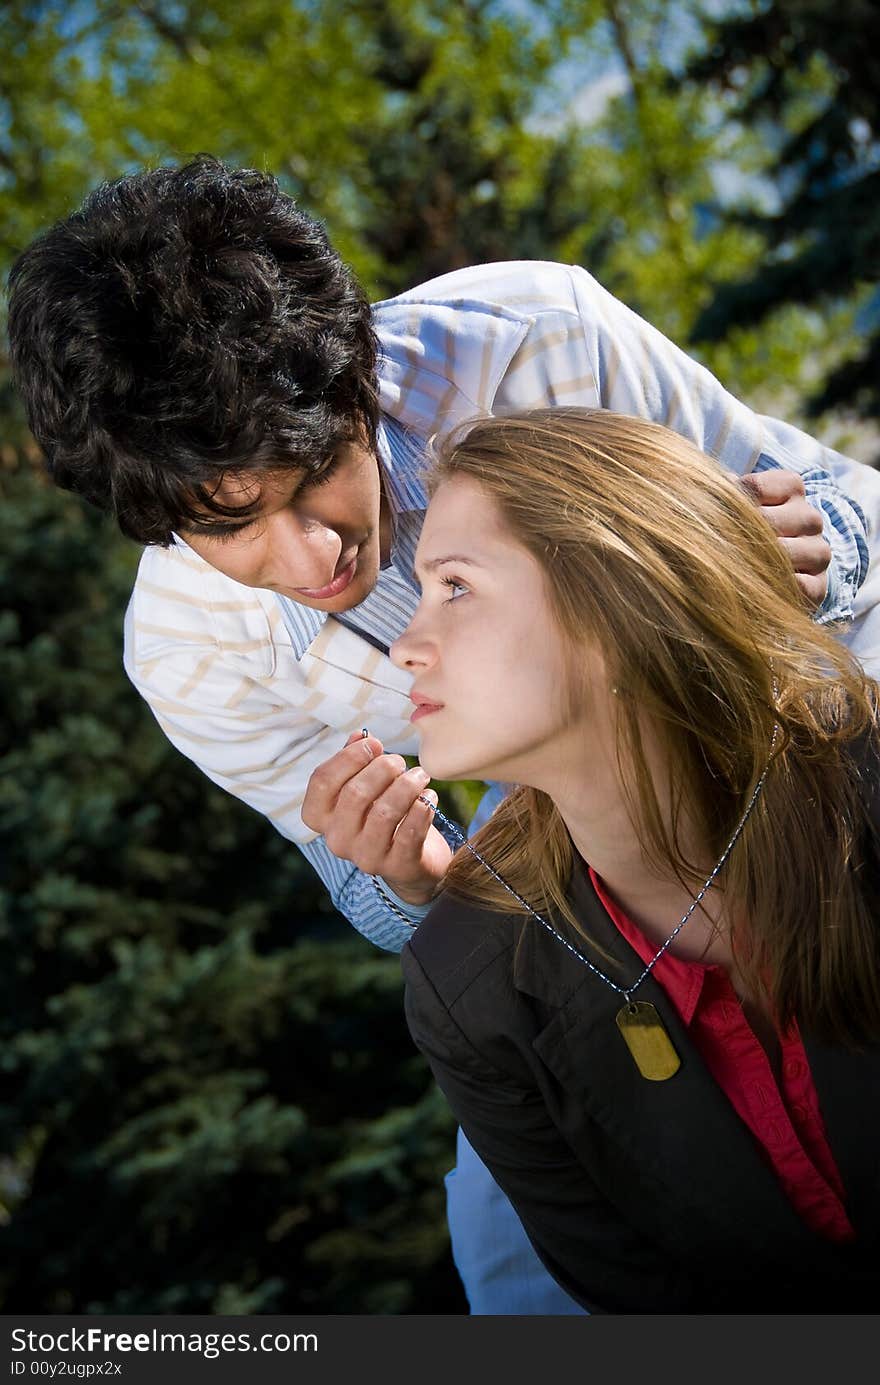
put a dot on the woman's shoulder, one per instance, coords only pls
(460, 941)
(462, 1002)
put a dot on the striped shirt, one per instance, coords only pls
(258, 691)
(381, 618)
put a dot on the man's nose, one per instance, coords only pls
(309, 549)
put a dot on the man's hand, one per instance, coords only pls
(797, 524)
(366, 805)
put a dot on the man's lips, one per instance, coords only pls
(424, 707)
(339, 583)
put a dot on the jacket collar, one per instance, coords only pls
(548, 971)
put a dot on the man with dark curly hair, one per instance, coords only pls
(196, 359)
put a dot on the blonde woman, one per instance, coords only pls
(652, 996)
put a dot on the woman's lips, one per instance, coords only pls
(424, 709)
(339, 583)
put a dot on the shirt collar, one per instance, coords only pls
(682, 981)
(402, 460)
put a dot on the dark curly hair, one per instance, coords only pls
(184, 323)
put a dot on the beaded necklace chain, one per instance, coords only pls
(642, 1029)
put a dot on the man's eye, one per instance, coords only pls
(221, 533)
(215, 533)
(317, 478)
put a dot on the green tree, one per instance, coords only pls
(656, 168)
(459, 171)
(402, 125)
(189, 1028)
(209, 1101)
(807, 77)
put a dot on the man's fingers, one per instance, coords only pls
(813, 588)
(358, 738)
(330, 778)
(395, 827)
(409, 840)
(773, 487)
(355, 801)
(414, 827)
(797, 524)
(794, 519)
(808, 556)
(419, 855)
(369, 812)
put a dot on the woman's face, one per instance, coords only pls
(487, 657)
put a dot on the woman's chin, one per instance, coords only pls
(449, 761)
(448, 768)
(438, 767)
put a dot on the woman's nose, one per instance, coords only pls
(409, 651)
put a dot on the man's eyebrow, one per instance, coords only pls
(433, 563)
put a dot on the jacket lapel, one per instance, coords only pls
(848, 1086)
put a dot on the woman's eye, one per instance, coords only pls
(457, 588)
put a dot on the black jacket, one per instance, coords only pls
(639, 1196)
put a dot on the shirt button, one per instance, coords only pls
(793, 1067)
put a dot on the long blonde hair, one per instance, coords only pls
(653, 551)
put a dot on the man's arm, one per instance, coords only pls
(354, 894)
(639, 371)
(278, 796)
(244, 730)
(535, 333)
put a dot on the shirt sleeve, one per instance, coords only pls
(613, 359)
(246, 737)
(354, 895)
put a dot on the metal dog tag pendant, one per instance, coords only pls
(647, 1040)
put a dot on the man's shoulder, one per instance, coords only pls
(447, 345)
(180, 603)
(176, 576)
(522, 287)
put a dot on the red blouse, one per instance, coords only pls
(786, 1121)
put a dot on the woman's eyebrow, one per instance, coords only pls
(433, 563)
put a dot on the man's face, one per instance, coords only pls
(318, 541)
